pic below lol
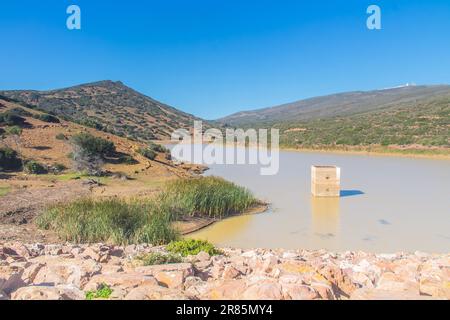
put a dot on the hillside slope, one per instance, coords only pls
(342, 104)
(108, 106)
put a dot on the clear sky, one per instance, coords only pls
(215, 57)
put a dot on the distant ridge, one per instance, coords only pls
(341, 104)
(110, 106)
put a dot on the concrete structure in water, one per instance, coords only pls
(325, 181)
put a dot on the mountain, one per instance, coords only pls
(109, 106)
(342, 104)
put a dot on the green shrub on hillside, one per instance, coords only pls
(11, 119)
(34, 167)
(61, 136)
(148, 153)
(191, 247)
(13, 131)
(93, 146)
(48, 118)
(9, 160)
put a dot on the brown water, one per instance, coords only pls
(388, 204)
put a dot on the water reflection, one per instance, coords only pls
(325, 216)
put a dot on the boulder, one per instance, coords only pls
(62, 292)
(263, 291)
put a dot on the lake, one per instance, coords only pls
(387, 204)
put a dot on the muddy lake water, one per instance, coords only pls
(387, 204)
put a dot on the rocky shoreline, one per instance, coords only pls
(57, 272)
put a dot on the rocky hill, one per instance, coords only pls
(108, 106)
(341, 104)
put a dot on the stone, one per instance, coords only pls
(263, 291)
(3, 295)
(123, 280)
(150, 292)
(171, 279)
(10, 279)
(299, 292)
(226, 290)
(435, 288)
(48, 293)
(378, 294)
(230, 272)
(202, 256)
(392, 282)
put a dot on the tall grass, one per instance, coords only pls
(206, 196)
(120, 221)
(109, 220)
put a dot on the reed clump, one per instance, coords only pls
(114, 221)
(212, 197)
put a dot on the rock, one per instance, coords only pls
(378, 294)
(123, 280)
(31, 272)
(10, 279)
(53, 250)
(263, 291)
(185, 268)
(299, 292)
(325, 291)
(226, 290)
(90, 253)
(392, 282)
(48, 293)
(150, 292)
(435, 288)
(3, 296)
(15, 249)
(66, 271)
(202, 256)
(171, 279)
(230, 272)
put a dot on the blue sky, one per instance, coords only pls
(215, 57)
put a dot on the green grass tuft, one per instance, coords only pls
(104, 292)
(191, 247)
(156, 258)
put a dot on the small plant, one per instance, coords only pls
(127, 159)
(156, 258)
(89, 153)
(58, 168)
(157, 147)
(47, 118)
(13, 131)
(148, 153)
(11, 119)
(93, 146)
(61, 136)
(103, 292)
(191, 247)
(9, 159)
(34, 167)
